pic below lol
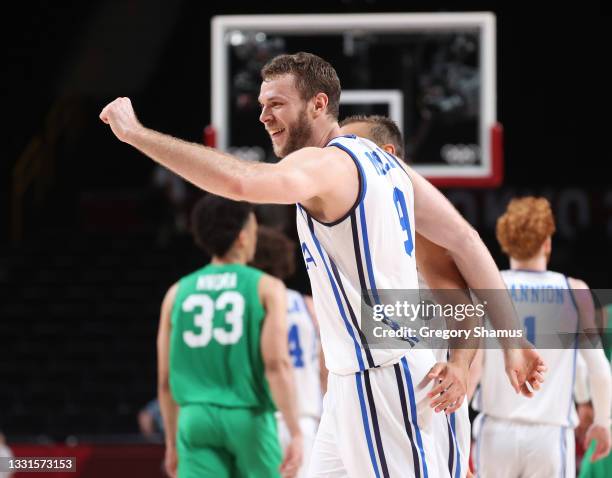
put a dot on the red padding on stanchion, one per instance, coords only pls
(209, 137)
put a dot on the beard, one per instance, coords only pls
(299, 135)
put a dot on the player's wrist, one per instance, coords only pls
(135, 134)
(604, 422)
(460, 358)
(510, 344)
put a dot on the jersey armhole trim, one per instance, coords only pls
(360, 194)
(400, 164)
(351, 136)
(571, 293)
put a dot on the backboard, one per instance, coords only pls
(434, 74)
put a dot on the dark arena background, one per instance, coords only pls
(93, 233)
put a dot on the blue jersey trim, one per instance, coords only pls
(360, 194)
(375, 426)
(366, 425)
(337, 297)
(451, 449)
(457, 455)
(363, 183)
(402, 396)
(366, 253)
(413, 412)
(362, 337)
(571, 293)
(351, 136)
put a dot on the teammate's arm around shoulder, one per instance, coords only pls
(437, 220)
(600, 379)
(475, 373)
(167, 405)
(278, 369)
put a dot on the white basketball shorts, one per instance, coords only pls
(510, 449)
(378, 423)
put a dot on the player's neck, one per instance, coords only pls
(232, 257)
(325, 134)
(537, 263)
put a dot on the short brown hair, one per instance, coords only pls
(383, 131)
(275, 253)
(312, 75)
(526, 224)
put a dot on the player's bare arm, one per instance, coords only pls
(437, 220)
(307, 176)
(475, 373)
(437, 266)
(599, 375)
(167, 405)
(448, 286)
(278, 369)
(323, 372)
(441, 273)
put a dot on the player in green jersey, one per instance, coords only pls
(222, 349)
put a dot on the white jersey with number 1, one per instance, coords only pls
(545, 307)
(531, 436)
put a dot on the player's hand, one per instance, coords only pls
(525, 369)
(450, 385)
(120, 116)
(292, 461)
(603, 441)
(171, 461)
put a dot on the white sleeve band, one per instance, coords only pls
(600, 384)
(581, 387)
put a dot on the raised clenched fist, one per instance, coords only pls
(120, 116)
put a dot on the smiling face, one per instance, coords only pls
(285, 115)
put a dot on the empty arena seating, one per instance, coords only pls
(78, 329)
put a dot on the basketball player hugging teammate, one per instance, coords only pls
(356, 222)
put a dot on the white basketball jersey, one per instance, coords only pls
(545, 306)
(370, 248)
(304, 351)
